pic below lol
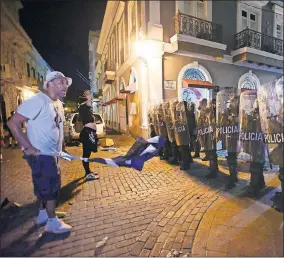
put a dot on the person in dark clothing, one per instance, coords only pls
(88, 135)
(89, 139)
(192, 128)
(11, 136)
(202, 104)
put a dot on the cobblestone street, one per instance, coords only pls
(146, 213)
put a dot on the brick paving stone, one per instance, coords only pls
(150, 243)
(144, 237)
(156, 250)
(124, 205)
(145, 253)
(137, 248)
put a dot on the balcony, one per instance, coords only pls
(197, 36)
(253, 46)
(109, 72)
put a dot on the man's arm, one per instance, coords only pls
(15, 125)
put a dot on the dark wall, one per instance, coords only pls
(267, 20)
(167, 15)
(225, 13)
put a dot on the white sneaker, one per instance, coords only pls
(42, 217)
(57, 226)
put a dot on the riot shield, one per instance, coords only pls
(227, 119)
(180, 123)
(161, 121)
(206, 127)
(252, 146)
(168, 121)
(270, 98)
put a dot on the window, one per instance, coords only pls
(121, 39)
(250, 23)
(279, 31)
(196, 8)
(131, 17)
(28, 70)
(33, 71)
(248, 17)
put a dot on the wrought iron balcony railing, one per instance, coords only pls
(257, 40)
(195, 27)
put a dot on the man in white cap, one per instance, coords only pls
(44, 116)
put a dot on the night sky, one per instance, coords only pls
(59, 31)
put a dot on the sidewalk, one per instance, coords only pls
(238, 226)
(146, 213)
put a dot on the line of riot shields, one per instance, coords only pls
(246, 125)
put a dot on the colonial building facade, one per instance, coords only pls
(158, 50)
(22, 68)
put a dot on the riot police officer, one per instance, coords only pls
(181, 132)
(270, 97)
(252, 141)
(206, 124)
(174, 151)
(228, 129)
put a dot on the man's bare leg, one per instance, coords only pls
(50, 208)
(42, 205)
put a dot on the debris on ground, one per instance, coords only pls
(106, 142)
(174, 253)
(102, 243)
(6, 203)
(71, 202)
(108, 149)
(60, 214)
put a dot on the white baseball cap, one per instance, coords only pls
(54, 75)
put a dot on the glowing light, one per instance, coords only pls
(27, 94)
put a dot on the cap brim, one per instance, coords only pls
(69, 80)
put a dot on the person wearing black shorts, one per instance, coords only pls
(88, 135)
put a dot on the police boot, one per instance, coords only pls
(278, 198)
(255, 180)
(233, 178)
(190, 158)
(261, 184)
(164, 155)
(185, 161)
(174, 159)
(213, 166)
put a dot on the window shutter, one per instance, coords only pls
(244, 18)
(189, 7)
(253, 22)
(201, 9)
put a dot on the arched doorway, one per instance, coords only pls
(248, 81)
(198, 75)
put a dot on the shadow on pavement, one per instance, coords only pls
(69, 192)
(23, 247)
(13, 218)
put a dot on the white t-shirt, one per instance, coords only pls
(45, 124)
